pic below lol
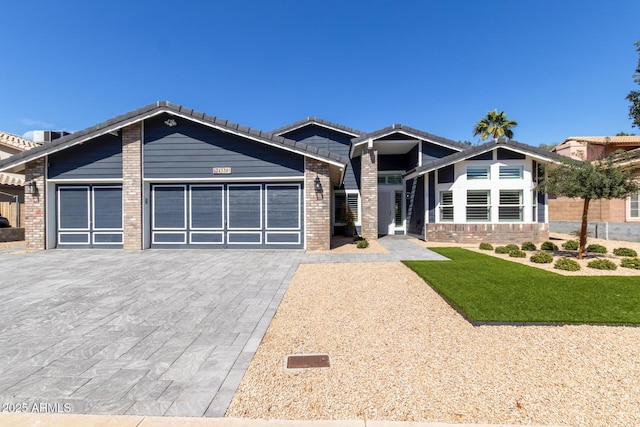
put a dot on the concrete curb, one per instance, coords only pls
(76, 420)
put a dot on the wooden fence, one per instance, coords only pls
(8, 210)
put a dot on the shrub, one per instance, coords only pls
(502, 250)
(630, 263)
(571, 245)
(517, 254)
(625, 252)
(361, 244)
(486, 246)
(549, 246)
(541, 258)
(512, 247)
(528, 246)
(602, 264)
(567, 264)
(598, 249)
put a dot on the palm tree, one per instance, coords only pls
(494, 124)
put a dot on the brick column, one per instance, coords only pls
(34, 206)
(132, 185)
(369, 194)
(318, 206)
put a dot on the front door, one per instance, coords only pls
(386, 223)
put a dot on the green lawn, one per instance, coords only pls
(489, 289)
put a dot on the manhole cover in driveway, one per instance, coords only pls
(306, 361)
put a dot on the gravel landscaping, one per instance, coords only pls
(399, 352)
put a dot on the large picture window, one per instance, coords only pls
(478, 205)
(510, 208)
(478, 172)
(510, 172)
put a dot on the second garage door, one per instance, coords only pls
(255, 215)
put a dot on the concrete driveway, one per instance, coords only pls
(150, 333)
(155, 332)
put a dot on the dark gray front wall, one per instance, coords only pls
(415, 205)
(190, 150)
(99, 158)
(434, 151)
(333, 141)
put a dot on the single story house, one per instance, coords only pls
(165, 176)
(566, 213)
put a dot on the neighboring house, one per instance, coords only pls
(165, 176)
(11, 184)
(566, 213)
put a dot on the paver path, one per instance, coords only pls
(155, 332)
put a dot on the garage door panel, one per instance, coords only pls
(282, 238)
(244, 207)
(107, 208)
(107, 238)
(166, 237)
(73, 208)
(169, 206)
(207, 238)
(74, 238)
(248, 238)
(207, 207)
(283, 207)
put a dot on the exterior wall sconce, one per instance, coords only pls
(317, 185)
(30, 188)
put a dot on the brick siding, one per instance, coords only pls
(490, 233)
(132, 185)
(369, 194)
(35, 206)
(318, 206)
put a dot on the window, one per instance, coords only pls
(344, 202)
(478, 172)
(634, 206)
(478, 205)
(510, 172)
(398, 208)
(534, 205)
(446, 206)
(510, 208)
(390, 179)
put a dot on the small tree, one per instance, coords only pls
(590, 180)
(634, 95)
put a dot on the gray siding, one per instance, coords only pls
(98, 158)
(542, 203)
(415, 205)
(333, 141)
(434, 151)
(191, 150)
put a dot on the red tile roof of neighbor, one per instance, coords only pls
(603, 140)
(17, 143)
(14, 141)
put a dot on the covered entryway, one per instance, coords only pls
(390, 211)
(240, 215)
(89, 216)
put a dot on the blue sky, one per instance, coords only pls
(558, 67)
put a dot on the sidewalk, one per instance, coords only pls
(73, 420)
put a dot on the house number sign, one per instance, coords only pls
(221, 171)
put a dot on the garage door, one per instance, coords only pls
(89, 216)
(227, 215)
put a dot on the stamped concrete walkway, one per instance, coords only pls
(155, 332)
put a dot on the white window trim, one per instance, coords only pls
(345, 192)
(486, 168)
(520, 205)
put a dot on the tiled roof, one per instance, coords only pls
(178, 110)
(410, 131)
(315, 120)
(602, 140)
(14, 141)
(11, 179)
(488, 146)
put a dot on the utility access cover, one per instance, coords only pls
(306, 361)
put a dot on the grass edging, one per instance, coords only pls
(488, 290)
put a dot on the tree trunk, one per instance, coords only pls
(583, 228)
